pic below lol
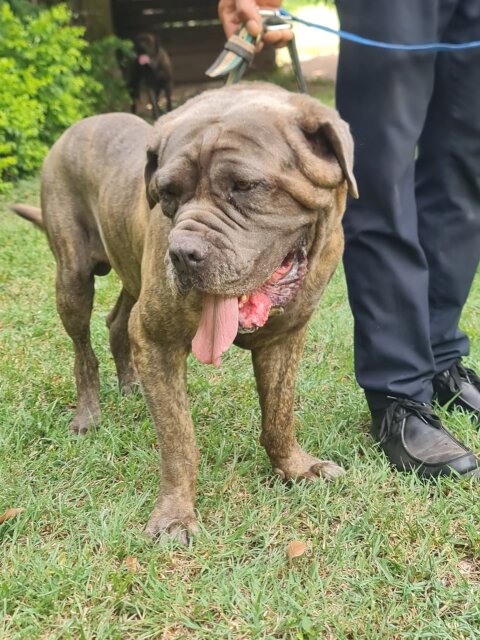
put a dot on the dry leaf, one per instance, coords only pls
(10, 513)
(132, 564)
(295, 549)
(466, 567)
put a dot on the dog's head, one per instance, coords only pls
(244, 173)
(145, 46)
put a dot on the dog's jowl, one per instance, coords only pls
(223, 224)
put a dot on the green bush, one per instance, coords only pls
(21, 119)
(44, 85)
(107, 55)
(23, 8)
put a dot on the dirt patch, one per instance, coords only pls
(321, 67)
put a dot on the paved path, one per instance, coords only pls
(324, 67)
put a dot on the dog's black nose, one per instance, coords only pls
(187, 252)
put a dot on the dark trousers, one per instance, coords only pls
(413, 237)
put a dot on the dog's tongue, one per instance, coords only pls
(217, 329)
(143, 59)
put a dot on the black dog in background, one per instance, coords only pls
(151, 70)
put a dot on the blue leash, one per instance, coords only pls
(345, 35)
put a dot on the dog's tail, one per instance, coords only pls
(32, 214)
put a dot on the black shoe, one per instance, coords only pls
(458, 387)
(414, 439)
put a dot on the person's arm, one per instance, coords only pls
(233, 13)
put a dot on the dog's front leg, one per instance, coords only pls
(276, 366)
(161, 366)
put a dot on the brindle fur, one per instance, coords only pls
(98, 213)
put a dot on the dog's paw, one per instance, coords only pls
(302, 466)
(130, 388)
(172, 519)
(164, 529)
(82, 423)
(128, 382)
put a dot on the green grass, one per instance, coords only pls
(388, 556)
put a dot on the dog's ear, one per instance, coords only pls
(323, 137)
(150, 168)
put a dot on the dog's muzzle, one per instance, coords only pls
(187, 253)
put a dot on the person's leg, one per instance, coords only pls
(448, 186)
(448, 200)
(384, 97)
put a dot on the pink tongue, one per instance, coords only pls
(143, 59)
(217, 329)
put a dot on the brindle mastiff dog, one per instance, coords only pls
(226, 231)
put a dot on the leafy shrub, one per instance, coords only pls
(107, 56)
(44, 85)
(21, 119)
(23, 8)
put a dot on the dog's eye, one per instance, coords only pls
(168, 202)
(245, 185)
(244, 193)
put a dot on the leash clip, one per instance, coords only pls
(239, 50)
(273, 20)
(276, 20)
(270, 13)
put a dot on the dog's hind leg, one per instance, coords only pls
(75, 291)
(117, 322)
(275, 366)
(134, 92)
(168, 96)
(153, 97)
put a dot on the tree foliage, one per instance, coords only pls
(45, 84)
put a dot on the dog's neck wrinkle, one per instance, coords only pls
(321, 233)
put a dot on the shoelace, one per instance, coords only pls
(400, 409)
(458, 374)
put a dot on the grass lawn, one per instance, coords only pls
(387, 556)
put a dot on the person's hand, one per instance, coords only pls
(233, 13)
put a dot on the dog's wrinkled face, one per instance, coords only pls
(243, 173)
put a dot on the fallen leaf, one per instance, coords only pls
(466, 567)
(132, 564)
(295, 549)
(10, 513)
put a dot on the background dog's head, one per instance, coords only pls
(244, 173)
(146, 48)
